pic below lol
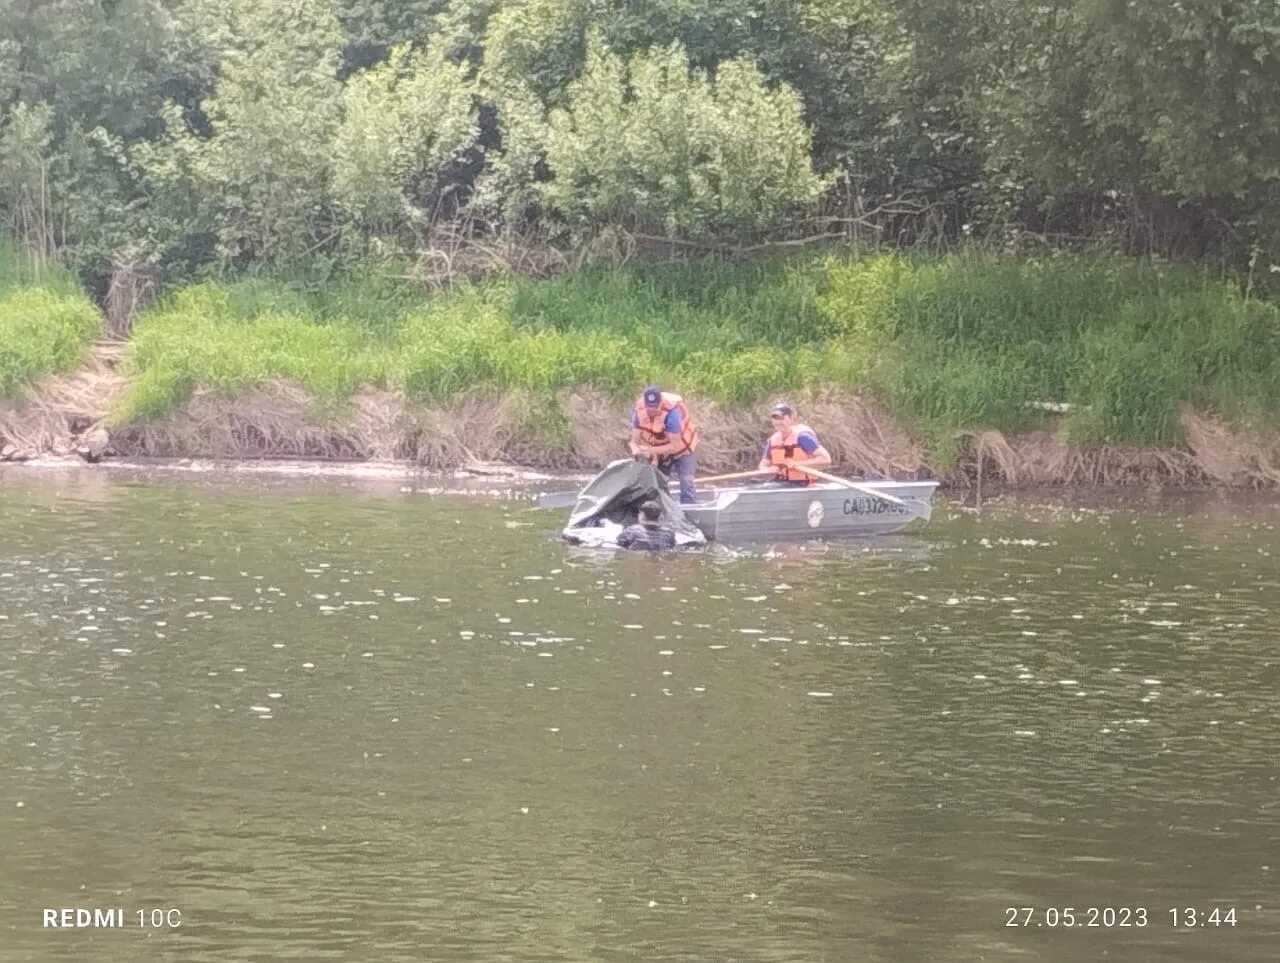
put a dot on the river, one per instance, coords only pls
(327, 718)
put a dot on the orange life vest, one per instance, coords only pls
(780, 451)
(653, 428)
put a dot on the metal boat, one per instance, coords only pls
(825, 510)
(772, 511)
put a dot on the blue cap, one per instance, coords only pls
(781, 408)
(652, 396)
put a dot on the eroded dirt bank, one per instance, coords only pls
(70, 415)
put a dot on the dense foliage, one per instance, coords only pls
(196, 139)
(183, 133)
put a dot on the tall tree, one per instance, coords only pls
(265, 168)
(406, 124)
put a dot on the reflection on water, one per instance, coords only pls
(345, 720)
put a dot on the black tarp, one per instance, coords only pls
(609, 503)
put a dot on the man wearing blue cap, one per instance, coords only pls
(662, 431)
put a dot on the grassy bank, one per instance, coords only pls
(46, 321)
(948, 347)
(955, 343)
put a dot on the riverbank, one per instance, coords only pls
(1071, 370)
(383, 436)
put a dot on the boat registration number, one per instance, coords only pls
(872, 506)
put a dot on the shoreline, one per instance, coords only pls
(542, 374)
(276, 428)
(286, 467)
(490, 478)
(577, 430)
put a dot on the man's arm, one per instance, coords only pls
(818, 456)
(637, 445)
(821, 457)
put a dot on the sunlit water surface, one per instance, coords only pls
(347, 720)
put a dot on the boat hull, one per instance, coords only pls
(783, 512)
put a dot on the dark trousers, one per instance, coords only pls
(684, 467)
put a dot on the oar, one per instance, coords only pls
(736, 474)
(865, 489)
(557, 499)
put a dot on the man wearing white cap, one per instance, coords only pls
(792, 444)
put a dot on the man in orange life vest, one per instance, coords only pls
(662, 431)
(792, 444)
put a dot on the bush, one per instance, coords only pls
(405, 122)
(42, 332)
(656, 145)
(859, 299)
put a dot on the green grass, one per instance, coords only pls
(967, 340)
(957, 342)
(46, 321)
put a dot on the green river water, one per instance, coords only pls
(357, 720)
